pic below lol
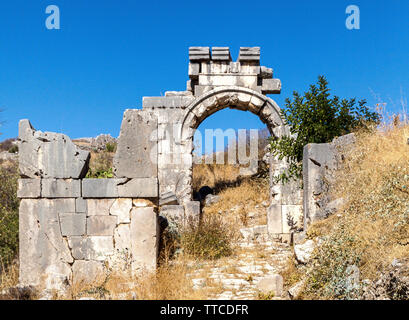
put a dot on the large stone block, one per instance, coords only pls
(275, 219)
(199, 53)
(29, 188)
(88, 273)
(170, 102)
(139, 188)
(99, 207)
(249, 54)
(221, 53)
(271, 284)
(144, 239)
(45, 257)
(271, 86)
(101, 188)
(97, 248)
(101, 225)
(137, 151)
(175, 213)
(81, 205)
(49, 155)
(122, 209)
(60, 188)
(72, 224)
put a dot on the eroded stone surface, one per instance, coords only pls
(49, 155)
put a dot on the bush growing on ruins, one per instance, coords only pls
(9, 204)
(110, 147)
(318, 118)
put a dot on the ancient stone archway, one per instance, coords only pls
(69, 223)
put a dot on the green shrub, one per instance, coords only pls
(9, 204)
(317, 118)
(211, 240)
(100, 165)
(13, 149)
(110, 147)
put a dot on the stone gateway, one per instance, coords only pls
(75, 228)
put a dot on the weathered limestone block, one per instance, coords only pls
(81, 205)
(275, 219)
(271, 86)
(99, 207)
(271, 285)
(139, 188)
(144, 239)
(45, 257)
(194, 70)
(303, 252)
(320, 162)
(221, 53)
(101, 188)
(292, 218)
(72, 224)
(122, 209)
(174, 213)
(101, 225)
(192, 212)
(60, 188)
(168, 198)
(170, 102)
(29, 188)
(97, 248)
(249, 54)
(88, 273)
(266, 73)
(49, 155)
(199, 53)
(137, 151)
(122, 237)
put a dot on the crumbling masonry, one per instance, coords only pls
(75, 229)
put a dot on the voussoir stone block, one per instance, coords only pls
(29, 188)
(144, 239)
(49, 155)
(60, 188)
(137, 151)
(101, 225)
(72, 224)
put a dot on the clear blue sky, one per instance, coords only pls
(109, 54)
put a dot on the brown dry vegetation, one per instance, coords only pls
(372, 228)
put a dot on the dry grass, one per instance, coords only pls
(237, 202)
(372, 228)
(9, 276)
(215, 176)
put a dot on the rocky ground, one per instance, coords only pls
(249, 274)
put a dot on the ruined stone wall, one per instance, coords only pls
(74, 229)
(320, 162)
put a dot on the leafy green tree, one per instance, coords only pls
(317, 117)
